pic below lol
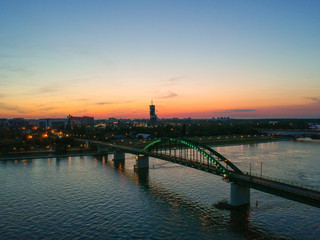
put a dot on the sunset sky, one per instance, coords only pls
(199, 59)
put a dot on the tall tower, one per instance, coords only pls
(153, 116)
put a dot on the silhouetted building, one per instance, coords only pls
(4, 122)
(17, 122)
(53, 123)
(80, 121)
(153, 116)
(223, 118)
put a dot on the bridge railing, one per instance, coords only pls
(313, 188)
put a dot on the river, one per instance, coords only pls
(91, 197)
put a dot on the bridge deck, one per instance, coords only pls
(292, 192)
(300, 194)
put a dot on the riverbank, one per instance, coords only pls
(308, 139)
(48, 154)
(210, 141)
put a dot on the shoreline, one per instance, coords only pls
(308, 139)
(74, 153)
(50, 154)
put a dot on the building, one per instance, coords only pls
(53, 123)
(4, 122)
(223, 118)
(17, 122)
(153, 116)
(80, 121)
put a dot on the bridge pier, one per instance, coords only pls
(118, 156)
(142, 162)
(239, 195)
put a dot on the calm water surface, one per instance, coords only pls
(88, 197)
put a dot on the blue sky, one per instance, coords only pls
(194, 58)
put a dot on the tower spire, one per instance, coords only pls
(153, 116)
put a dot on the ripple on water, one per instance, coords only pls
(81, 198)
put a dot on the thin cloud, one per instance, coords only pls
(47, 108)
(11, 108)
(43, 90)
(169, 94)
(103, 103)
(82, 111)
(314, 99)
(170, 82)
(50, 103)
(12, 70)
(12, 56)
(174, 79)
(238, 110)
(112, 102)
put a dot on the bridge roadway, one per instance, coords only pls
(274, 187)
(292, 192)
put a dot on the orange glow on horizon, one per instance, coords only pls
(181, 106)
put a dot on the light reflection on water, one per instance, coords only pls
(94, 197)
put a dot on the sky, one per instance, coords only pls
(198, 59)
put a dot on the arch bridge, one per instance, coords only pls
(200, 156)
(191, 153)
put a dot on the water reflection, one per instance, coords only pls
(162, 196)
(141, 177)
(104, 159)
(101, 158)
(119, 164)
(62, 160)
(240, 221)
(24, 162)
(210, 218)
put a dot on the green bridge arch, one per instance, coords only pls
(211, 155)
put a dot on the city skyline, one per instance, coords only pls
(194, 59)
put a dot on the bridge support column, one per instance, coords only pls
(142, 162)
(239, 195)
(118, 156)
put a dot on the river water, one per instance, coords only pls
(92, 197)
